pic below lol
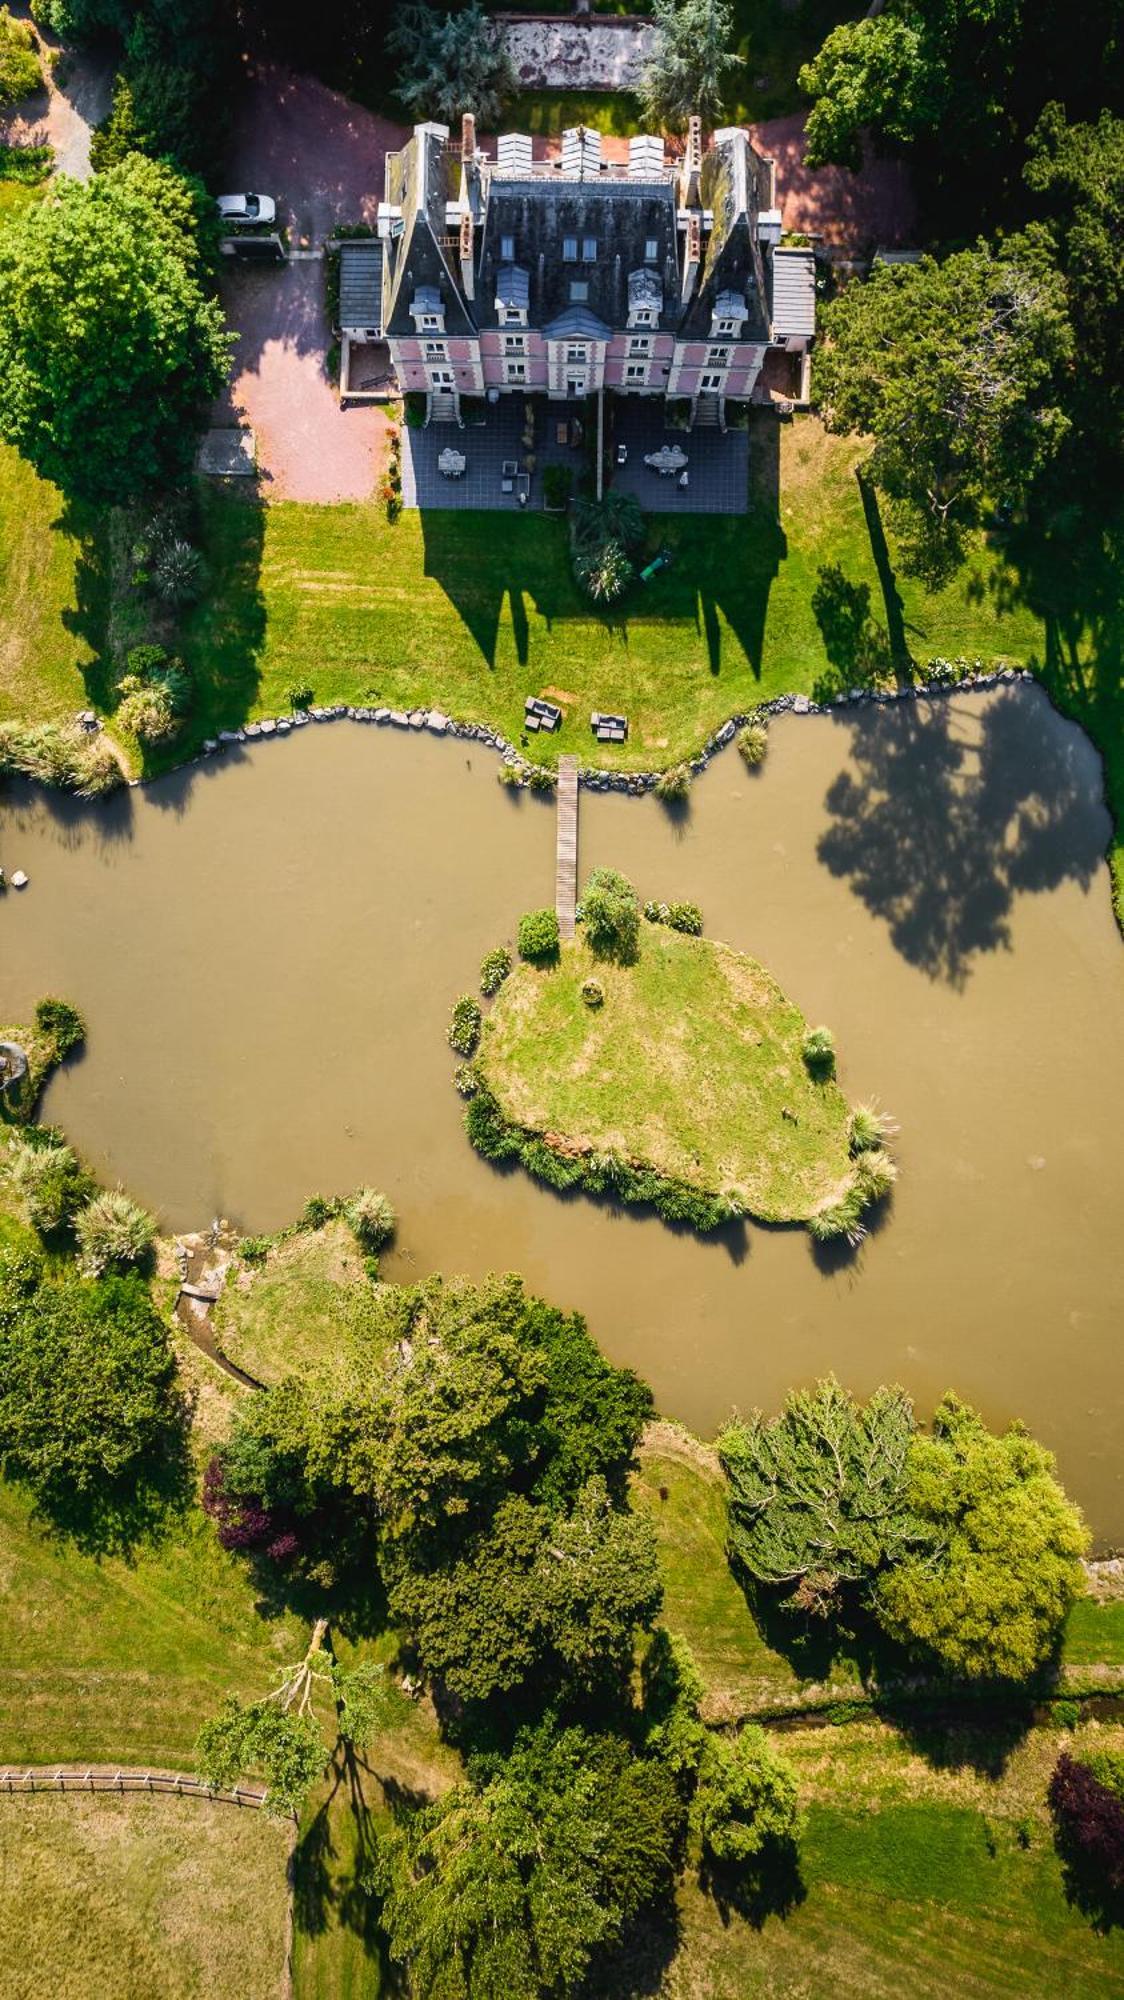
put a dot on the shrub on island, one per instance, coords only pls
(494, 968)
(753, 743)
(538, 937)
(464, 1028)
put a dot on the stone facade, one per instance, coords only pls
(511, 275)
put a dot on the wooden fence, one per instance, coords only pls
(108, 1778)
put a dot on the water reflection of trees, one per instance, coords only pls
(939, 827)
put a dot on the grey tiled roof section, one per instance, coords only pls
(577, 323)
(620, 217)
(513, 286)
(418, 181)
(794, 293)
(732, 261)
(361, 283)
(427, 298)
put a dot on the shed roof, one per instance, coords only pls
(361, 283)
(794, 293)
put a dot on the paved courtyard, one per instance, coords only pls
(717, 465)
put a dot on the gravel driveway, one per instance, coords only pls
(321, 158)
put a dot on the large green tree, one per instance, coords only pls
(473, 1444)
(691, 62)
(817, 1495)
(960, 81)
(989, 1600)
(534, 1596)
(503, 1889)
(1076, 173)
(746, 1802)
(87, 1377)
(957, 369)
(110, 346)
(451, 63)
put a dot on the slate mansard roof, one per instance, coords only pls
(361, 283)
(578, 253)
(541, 219)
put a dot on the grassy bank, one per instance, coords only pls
(680, 1486)
(692, 1065)
(443, 609)
(133, 1897)
(296, 1307)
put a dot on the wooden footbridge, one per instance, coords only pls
(566, 859)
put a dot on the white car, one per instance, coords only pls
(247, 207)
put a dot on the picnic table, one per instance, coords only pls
(450, 463)
(668, 459)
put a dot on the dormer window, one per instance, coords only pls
(431, 322)
(651, 250)
(569, 249)
(643, 319)
(589, 249)
(579, 291)
(507, 249)
(726, 326)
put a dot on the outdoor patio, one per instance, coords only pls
(493, 453)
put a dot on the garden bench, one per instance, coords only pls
(609, 728)
(541, 714)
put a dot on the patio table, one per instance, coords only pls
(669, 458)
(451, 463)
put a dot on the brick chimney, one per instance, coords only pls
(468, 272)
(689, 195)
(468, 136)
(692, 255)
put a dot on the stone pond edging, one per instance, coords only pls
(591, 777)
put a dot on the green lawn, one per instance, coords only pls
(51, 596)
(907, 1900)
(295, 1308)
(124, 1658)
(129, 1898)
(444, 610)
(692, 1065)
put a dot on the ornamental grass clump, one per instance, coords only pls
(113, 1233)
(48, 1178)
(674, 784)
(538, 936)
(593, 993)
(371, 1218)
(494, 968)
(819, 1053)
(875, 1175)
(464, 1028)
(840, 1221)
(753, 743)
(869, 1129)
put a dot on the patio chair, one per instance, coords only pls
(509, 468)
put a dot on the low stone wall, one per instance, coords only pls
(592, 777)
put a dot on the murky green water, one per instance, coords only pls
(266, 950)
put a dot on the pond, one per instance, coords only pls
(266, 948)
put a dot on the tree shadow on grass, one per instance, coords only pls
(769, 1886)
(636, 1967)
(334, 1865)
(722, 567)
(938, 833)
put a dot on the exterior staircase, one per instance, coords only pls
(444, 407)
(709, 414)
